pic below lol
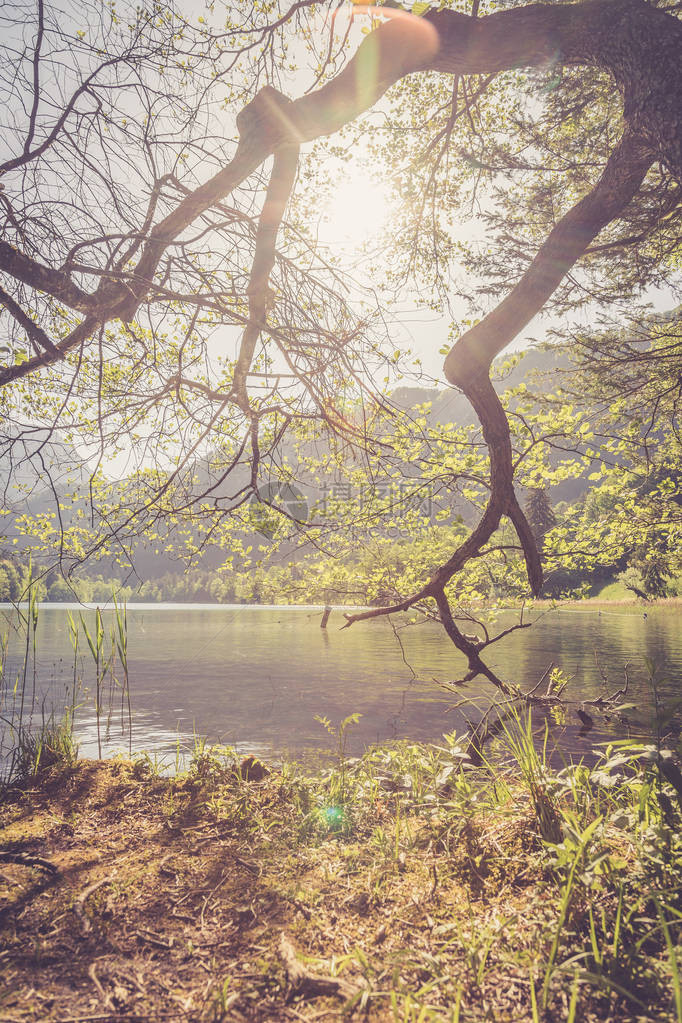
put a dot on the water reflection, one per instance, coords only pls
(254, 678)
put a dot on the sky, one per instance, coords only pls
(352, 222)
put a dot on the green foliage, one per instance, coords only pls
(10, 581)
(39, 748)
(334, 815)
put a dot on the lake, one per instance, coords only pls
(255, 678)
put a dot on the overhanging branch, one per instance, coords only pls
(590, 33)
(625, 171)
(280, 187)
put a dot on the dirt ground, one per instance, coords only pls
(129, 897)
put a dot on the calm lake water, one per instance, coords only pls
(255, 678)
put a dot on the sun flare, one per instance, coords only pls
(357, 212)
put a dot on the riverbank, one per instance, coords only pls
(399, 887)
(606, 601)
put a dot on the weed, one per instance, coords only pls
(52, 743)
(211, 764)
(150, 766)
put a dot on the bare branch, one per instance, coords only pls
(36, 334)
(279, 189)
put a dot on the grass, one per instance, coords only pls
(31, 737)
(617, 591)
(614, 591)
(413, 888)
(49, 743)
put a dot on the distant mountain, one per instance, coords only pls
(451, 406)
(34, 462)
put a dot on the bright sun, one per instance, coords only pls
(357, 212)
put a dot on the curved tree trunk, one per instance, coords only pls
(639, 45)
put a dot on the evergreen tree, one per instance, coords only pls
(539, 513)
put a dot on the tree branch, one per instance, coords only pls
(44, 278)
(78, 336)
(36, 79)
(279, 189)
(36, 334)
(475, 350)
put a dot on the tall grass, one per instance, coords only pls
(36, 727)
(121, 639)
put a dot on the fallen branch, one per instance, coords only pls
(304, 982)
(92, 974)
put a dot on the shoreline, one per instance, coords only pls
(634, 602)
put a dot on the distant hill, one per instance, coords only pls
(450, 406)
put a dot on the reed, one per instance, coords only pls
(34, 730)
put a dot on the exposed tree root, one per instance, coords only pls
(26, 860)
(305, 982)
(79, 904)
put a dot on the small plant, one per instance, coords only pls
(558, 681)
(334, 815)
(223, 1000)
(520, 741)
(43, 747)
(571, 855)
(147, 766)
(210, 763)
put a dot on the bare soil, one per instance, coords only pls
(129, 897)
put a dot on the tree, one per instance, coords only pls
(110, 296)
(628, 383)
(10, 579)
(540, 516)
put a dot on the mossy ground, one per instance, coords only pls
(430, 895)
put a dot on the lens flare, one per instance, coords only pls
(358, 211)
